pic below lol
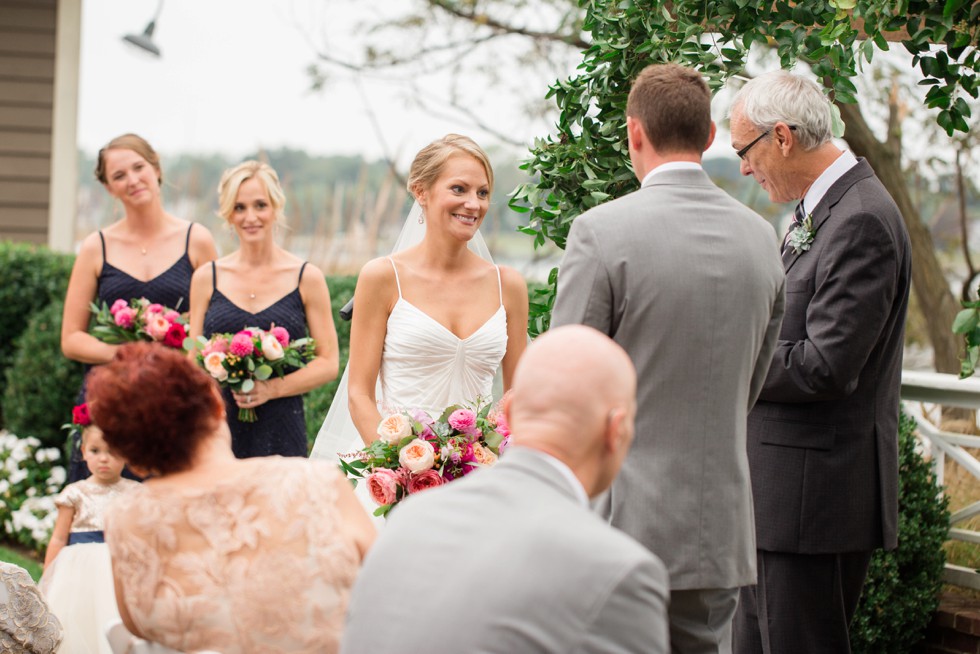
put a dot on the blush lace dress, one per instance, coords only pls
(259, 562)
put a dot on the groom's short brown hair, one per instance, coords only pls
(673, 104)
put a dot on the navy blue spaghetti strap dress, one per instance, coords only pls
(280, 427)
(171, 288)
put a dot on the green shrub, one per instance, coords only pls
(902, 588)
(30, 278)
(42, 385)
(316, 403)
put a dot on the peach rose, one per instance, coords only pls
(394, 428)
(156, 326)
(212, 363)
(272, 348)
(484, 455)
(417, 456)
(382, 486)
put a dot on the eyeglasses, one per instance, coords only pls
(741, 153)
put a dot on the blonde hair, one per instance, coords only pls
(132, 142)
(431, 160)
(233, 178)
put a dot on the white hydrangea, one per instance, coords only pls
(4, 486)
(31, 492)
(18, 476)
(57, 476)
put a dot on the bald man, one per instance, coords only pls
(511, 559)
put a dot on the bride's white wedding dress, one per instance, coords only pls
(424, 366)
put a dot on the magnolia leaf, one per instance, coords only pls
(836, 122)
(966, 321)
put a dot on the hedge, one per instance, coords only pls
(30, 278)
(901, 592)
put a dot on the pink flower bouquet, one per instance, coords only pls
(138, 320)
(238, 360)
(415, 452)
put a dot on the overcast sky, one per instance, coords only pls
(232, 78)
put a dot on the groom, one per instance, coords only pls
(690, 283)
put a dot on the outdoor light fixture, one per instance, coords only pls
(144, 41)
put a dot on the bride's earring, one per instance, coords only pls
(422, 217)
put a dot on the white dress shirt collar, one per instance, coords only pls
(670, 165)
(577, 488)
(827, 178)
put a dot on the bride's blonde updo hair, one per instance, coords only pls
(431, 160)
(233, 178)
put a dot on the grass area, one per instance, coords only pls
(29, 563)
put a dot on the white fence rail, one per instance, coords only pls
(948, 390)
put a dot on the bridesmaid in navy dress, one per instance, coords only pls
(148, 253)
(261, 285)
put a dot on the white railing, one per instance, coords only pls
(947, 390)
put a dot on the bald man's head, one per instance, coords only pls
(574, 397)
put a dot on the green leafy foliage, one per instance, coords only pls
(967, 322)
(30, 278)
(41, 384)
(586, 161)
(902, 589)
(316, 403)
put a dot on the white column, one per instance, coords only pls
(63, 202)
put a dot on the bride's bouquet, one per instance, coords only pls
(416, 452)
(138, 320)
(238, 360)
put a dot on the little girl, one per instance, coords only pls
(77, 581)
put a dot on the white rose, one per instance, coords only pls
(272, 348)
(394, 428)
(212, 363)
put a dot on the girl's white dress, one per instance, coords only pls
(78, 584)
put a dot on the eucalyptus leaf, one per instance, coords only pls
(247, 386)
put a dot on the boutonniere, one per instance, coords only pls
(802, 235)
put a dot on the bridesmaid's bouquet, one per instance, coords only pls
(238, 360)
(416, 452)
(138, 320)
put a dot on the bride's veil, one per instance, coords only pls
(338, 435)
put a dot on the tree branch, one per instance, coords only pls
(485, 20)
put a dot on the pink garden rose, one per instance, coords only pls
(171, 316)
(241, 344)
(424, 480)
(463, 420)
(216, 344)
(417, 456)
(394, 428)
(154, 308)
(156, 326)
(117, 305)
(383, 486)
(281, 335)
(125, 317)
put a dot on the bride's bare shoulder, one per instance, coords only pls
(376, 274)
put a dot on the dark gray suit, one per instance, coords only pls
(823, 435)
(508, 561)
(688, 281)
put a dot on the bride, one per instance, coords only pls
(435, 320)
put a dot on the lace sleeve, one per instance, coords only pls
(26, 624)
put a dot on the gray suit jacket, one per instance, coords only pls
(506, 560)
(690, 283)
(823, 438)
